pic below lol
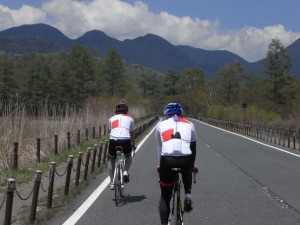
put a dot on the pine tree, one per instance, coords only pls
(277, 64)
(114, 73)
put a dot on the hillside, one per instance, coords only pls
(150, 50)
(40, 30)
(154, 52)
(21, 44)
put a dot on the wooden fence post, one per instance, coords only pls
(279, 137)
(105, 152)
(38, 149)
(100, 133)
(16, 156)
(11, 185)
(68, 177)
(94, 158)
(51, 184)
(78, 137)
(289, 137)
(68, 140)
(99, 154)
(87, 161)
(79, 161)
(56, 144)
(86, 134)
(94, 133)
(35, 195)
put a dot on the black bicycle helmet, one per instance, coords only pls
(121, 108)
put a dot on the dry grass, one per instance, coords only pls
(17, 126)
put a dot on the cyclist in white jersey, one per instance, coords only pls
(176, 145)
(121, 132)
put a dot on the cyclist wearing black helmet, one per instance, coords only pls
(176, 139)
(121, 132)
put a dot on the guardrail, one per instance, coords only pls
(286, 137)
(95, 157)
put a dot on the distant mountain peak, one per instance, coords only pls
(39, 30)
(149, 50)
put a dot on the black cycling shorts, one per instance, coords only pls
(166, 174)
(124, 143)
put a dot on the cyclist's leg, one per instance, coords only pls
(167, 178)
(128, 162)
(186, 175)
(112, 158)
(187, 183)
(126, 145)
(164, 202)
(111, 168)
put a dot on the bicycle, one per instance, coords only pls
(118, 175)
(176, 212)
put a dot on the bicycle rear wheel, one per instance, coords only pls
(178, 214)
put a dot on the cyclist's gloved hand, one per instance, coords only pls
(195, 169)
(133, 147)
(157, 168)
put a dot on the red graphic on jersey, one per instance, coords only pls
(115, 124)
(180, 119)
(166, 135)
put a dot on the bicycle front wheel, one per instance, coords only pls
(118, 187)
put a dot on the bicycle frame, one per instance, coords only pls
(119, 164)
(118, 175)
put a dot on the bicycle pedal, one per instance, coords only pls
(126, 178)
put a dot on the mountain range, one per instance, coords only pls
(149, 51)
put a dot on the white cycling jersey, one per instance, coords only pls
(171, 143)
(120, 126)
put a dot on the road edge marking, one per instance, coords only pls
(279, 149)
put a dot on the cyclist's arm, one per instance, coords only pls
(159, 142)
(132, 132)
(132, 137)
(193, 145)
(193, 149)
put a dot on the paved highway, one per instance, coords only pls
(240, 181)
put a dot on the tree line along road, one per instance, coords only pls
(240, 181)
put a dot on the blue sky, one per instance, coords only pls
(244, 27)
(234, 14)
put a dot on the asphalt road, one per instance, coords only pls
(240, 181)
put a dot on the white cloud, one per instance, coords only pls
(26, 14)
(121, 20)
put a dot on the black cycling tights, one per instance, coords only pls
(167, 178)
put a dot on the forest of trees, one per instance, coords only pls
(77, 78)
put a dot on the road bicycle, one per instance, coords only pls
(118, 175)
(176, 212)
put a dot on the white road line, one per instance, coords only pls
(90, 200)
(279, 149)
